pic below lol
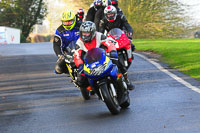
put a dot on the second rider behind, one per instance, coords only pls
(67, 32)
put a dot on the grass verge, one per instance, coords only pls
(181, 54)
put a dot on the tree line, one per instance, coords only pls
(154, 18)
(149, 18)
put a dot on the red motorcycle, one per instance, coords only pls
(123, 46)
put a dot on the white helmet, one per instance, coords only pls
(110, 13)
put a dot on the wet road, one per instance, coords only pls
(35, 100)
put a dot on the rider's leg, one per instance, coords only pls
(61, 67)
(123, 70)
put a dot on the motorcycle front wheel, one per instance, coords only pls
(110, 100)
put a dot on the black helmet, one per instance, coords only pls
(87, 31)
(80, 13)
(98, 4)
(115, 3)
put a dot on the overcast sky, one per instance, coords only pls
(194, 10)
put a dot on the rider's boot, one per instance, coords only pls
(128, 82)
(123, 92)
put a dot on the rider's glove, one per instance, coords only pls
(113, 54)
(80, 68)
(130, 35)
(60, 56)
(114, 57)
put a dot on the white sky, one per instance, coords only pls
(194, 10)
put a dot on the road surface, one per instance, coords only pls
(35, 100)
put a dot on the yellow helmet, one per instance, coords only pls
(70, 17)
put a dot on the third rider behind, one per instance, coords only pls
(93, 9)
(115, 4)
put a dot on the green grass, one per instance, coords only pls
(181, 54)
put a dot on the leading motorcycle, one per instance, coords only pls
(105, 80)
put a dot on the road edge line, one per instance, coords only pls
(180, 80)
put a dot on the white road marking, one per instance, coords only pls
(180, 80)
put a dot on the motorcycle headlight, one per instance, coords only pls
(98, 70)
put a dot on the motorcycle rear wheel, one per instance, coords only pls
(85, 93)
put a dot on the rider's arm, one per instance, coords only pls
(57, 42)
(102, 25)
(90, 14)
(79, 53)
(119, 11)
(98, 16)
(109, 46)
(128, 27)
(57, 45)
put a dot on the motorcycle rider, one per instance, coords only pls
(115, 4)
(89, 39)
(114, 20)
(80, 14)
(67, 32)
(97, 4)
(100, 13)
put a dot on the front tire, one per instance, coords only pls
(110, 101)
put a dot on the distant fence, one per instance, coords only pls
(34, 38)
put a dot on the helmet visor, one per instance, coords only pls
(86, 34)
(111, 16)
(68, 23)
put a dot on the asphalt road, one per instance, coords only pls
(35, 100)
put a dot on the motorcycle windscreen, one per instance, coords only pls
(70, 47)
(94, 55)
(116, 33)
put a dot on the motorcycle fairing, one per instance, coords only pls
(97, 64)
(88, 68)
(120, 37)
